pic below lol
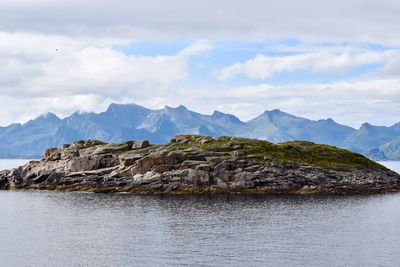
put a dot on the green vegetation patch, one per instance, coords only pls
(301, 153)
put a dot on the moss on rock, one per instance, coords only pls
(302, 153)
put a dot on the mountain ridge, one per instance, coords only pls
(121, 122)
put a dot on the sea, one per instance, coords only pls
(45, 228)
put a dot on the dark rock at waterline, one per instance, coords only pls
(201, 164)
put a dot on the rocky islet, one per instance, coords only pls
(195, 164)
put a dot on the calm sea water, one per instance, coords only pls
(40, 228)
(12, 163)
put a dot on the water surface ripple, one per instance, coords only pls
(42, 228)
(39, 228)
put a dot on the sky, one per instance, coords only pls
(316, 59)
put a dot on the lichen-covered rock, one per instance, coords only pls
(201, 164)
(52, 154)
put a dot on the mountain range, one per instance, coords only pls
(122, 122)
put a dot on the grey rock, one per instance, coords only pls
(140, 144)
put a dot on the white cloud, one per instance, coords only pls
(392, 68)
(63, 74)
(350, 103)
(23, 109)
(262, 66)
(54, 66)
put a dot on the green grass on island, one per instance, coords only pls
(301, 153)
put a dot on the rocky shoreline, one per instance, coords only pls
(193, 164)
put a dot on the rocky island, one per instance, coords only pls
(194, 164)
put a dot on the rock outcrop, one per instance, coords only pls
(200, 164)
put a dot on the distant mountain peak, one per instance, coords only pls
(80, 114)
(114, 106)
(328, 120)
(48, 116)
(220, 115)
(275, 112)
(366, 126)
(217, 113)
(178, 108)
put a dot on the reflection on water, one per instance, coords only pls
(40, 228)
(53, 228)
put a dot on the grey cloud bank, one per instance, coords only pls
(61, 57)
(347, 20)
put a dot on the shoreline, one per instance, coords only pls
(207, 191)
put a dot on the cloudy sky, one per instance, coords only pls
(316, 59)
